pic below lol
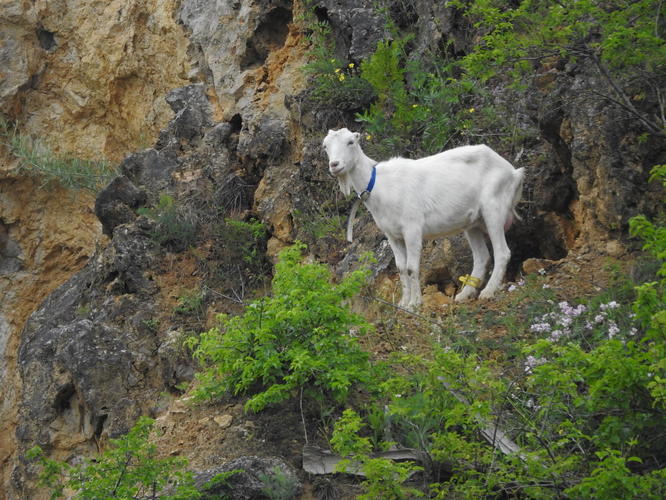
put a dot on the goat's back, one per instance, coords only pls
(444, 192)
(463, 166)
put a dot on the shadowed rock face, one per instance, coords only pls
(90, 359)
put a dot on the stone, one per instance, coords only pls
(150, 168)
(533, 266)
(116, 203)
(614, 248)
(224, 421)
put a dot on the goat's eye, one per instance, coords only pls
(350, 143)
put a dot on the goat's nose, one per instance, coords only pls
(333, 164)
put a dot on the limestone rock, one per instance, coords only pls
(89, 78)
(115, 204)
(358, 27)
(533, 266)
(223, 421)
(236, 46)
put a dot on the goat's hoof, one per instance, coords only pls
(486, 294)
(464, 296)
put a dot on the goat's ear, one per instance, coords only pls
(357, 136)
(345, 184)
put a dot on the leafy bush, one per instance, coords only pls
(190, 303)
(651, 296)
(620, 40)
(300, 338)
(335, 85)
(68, 171)
(278, 485)
(409, 103)
(129, 468)
(384, 478)
(177, 225)
(243, 243)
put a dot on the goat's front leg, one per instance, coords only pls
(400, 255)
(414, 244)
(481, 256)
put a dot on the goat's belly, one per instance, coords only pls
(430, 226)
(435, 228)
(438, 232)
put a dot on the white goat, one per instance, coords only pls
(470, 189)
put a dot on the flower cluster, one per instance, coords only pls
(514, 286)
(340, 72)
(569, 320)
(531, 362)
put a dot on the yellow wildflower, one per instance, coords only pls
(471, 110)
(350, 65)
(341, 77)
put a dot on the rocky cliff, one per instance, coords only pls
(207, 103)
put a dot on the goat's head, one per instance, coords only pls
(343, 150)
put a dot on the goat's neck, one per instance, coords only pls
(360, 175)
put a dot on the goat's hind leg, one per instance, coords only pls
(495, 220)
(480, 255)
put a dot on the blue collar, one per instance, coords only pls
(365, 194)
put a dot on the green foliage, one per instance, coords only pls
(242, 241)
(420, 105)
(129, 469)
(409, 103)
(237, 262)
(67, 171)
(319, 225)
(335, 85)
(651, 296)
(611, 478)
(190, 302)
(621, 39)
(384, 478)
(278, 485)
(300, 338)
(176, 227)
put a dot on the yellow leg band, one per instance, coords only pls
(470, 280)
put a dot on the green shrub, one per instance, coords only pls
(190, 303)
(619, 40)
(244, 241)
(334, 84)
(320, 224)
(651, 296)
(278, 485)
(408, 103)
(177, 226)
(300, 338)
(129, 468)
(384, 478)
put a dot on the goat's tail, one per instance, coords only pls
(519, 177)
(518, 191)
